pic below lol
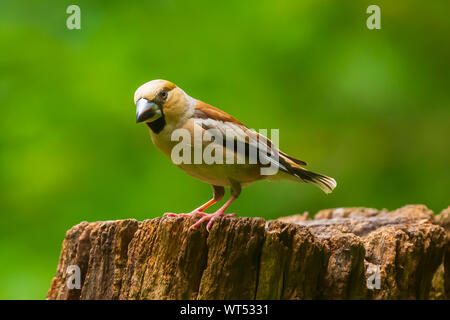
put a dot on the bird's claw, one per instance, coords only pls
(190, 214)
(211, 217)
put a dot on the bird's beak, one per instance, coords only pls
(147, 111)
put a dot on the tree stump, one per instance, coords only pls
(345, 253)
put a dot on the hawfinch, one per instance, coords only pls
(170, 113)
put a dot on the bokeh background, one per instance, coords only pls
(370, 108)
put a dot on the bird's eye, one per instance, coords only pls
(163, 94)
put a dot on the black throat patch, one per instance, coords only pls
(157, 125)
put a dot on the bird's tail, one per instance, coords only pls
(327, 184)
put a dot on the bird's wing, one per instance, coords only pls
(232, 130)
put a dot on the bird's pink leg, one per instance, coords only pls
(219, 213)
(218, 195)
(198, 211)
(235, 192)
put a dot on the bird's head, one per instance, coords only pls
(160, 101)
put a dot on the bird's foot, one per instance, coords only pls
(190, 214)
(211, 217)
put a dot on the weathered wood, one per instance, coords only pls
(441, 280)
(330, 257)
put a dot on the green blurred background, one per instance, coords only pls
(370, 108)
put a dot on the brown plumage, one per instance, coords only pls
(164, 107)
(205, 111)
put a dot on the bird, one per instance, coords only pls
(166, 109)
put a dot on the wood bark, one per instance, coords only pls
(344, 253)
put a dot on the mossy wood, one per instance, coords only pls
(346, 253)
